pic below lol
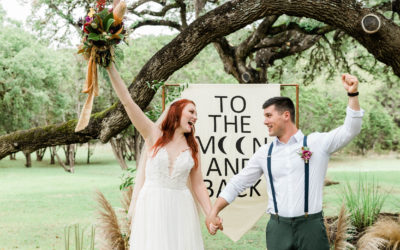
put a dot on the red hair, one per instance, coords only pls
(171, 123)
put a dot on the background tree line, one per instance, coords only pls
(40, 86)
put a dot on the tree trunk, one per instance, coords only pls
(13, 156)
(28, 158)
(226, 19)
(89, 153)
(138, 143)
(53, 151)
(40, 154)
(62, 164)
(70, 152)
(66, 153)
(71, 157)
(117, 150)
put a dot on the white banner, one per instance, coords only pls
(229, 129)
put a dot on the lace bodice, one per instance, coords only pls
(158, 173)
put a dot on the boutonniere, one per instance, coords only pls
(305, 154)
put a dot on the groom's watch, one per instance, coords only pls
(352, 94)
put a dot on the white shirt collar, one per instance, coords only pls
(293, 139)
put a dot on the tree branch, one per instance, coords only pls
(183, 13)
(157, 23)
(223, 20)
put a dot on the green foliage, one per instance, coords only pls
(309, 24)
(79, 237)
(128, 178)
(378, 131)
(32, 81)
(364, 202)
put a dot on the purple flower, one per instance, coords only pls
(88, 19)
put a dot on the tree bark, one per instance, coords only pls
(137, 144)
(227, 18)
(89, 152)
(28, 158)
(53, 152)
(71, 157)
(40, 154)
(62, 164)
(117, 150)
(70, 152)
(13, 156)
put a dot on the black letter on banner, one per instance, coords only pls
(209, 187)
(230, 123)
(223, 183)
(234, 171)
(220, 101)
(244, 104)
(242, 195)
(255, 141)
(210, 141)
(254, 188)
(215, 121)
(216, 169)
(244, 162)
(242, 123)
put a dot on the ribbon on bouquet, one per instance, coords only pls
(91, 88)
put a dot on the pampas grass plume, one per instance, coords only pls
(384, 234)
(108, 227)
(343, 231)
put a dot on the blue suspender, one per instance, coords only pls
(306, 179)
(270, 177)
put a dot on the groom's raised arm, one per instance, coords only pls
(341, 136)
(237, 184)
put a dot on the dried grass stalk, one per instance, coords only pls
(109, 231)
(384, 234)
(343, 231)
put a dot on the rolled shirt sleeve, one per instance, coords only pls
(246, 177)
(341, 136)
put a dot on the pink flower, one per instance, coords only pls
(305, 154)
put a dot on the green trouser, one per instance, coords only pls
(297, 233)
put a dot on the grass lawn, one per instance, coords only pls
(37, 203)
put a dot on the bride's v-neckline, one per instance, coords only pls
(171, 165)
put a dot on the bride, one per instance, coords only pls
(164, 211)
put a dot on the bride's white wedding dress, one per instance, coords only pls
(166, 216)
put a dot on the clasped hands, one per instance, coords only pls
(213, 223)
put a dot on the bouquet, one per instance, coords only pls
(102, 30)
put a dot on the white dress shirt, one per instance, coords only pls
(287, 168)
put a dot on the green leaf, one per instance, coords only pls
(107, 18)
(90, 29)
(103, 14)
(109, 23)
(94, 37)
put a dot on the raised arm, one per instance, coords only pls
(142, 123)
(341, 136)
(350, 84)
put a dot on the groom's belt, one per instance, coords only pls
(297, 218)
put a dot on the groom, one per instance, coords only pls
(294, 166)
